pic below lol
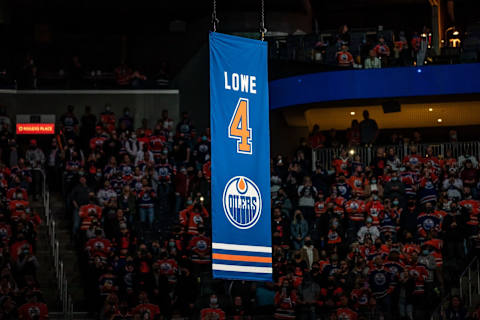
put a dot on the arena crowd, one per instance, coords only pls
(351, 240)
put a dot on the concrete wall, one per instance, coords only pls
(142, 103)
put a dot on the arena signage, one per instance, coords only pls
(35, 128)
(241, 235)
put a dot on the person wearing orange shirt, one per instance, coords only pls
(383, 51)
(344, 312)
(344, 58)
(145, 309)
(356, 182)
(213, 311)
(342, 163)
(355, 209)
(33, 309)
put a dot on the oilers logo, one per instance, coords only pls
(242, 202)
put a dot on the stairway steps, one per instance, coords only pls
(69, 256)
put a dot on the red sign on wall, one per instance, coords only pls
(35, 128)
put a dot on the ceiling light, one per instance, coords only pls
(456, 33)
(439, 120)
(430, 109)
(352, 113)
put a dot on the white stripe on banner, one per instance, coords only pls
(226, 267)
(238, 247)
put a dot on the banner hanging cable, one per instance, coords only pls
(215, 20)
(263, 30)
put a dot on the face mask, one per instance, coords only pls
(425, 252)
(188, 202)
(204, 138)
(335, 223)
(171, 244)
(394, 178)
(213, 301)
(127, 113)
(395, 202)
(375, 197)
(374, 181)
(369, 220)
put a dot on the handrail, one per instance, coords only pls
(62, 284)
(325, 156)
(467, 273)
(473, 266)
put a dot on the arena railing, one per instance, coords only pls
(325, 156)
(469, 282)
(64, 297)
(468, 288)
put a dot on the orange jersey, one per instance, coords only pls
(320, 207)
(357, 184)
(212, 313)
(344, 59)
(87, 213)
(341, 165)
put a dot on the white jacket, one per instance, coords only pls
(372, 231)
(35, 158)
(132, 146)
(141, 156)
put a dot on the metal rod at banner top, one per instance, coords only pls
(263, 30)
(215, 20)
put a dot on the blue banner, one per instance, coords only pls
(241, 235)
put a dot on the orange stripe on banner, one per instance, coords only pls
(232, 257)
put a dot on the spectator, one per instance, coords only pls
(36, 160)
(452, 136)
(368, 129)
(69, 123)
(285, 301)
(344, 57)
(76, 72)
(383, 51)
(307, 194)
(309, 253)
(213, 311)
(87, 126)
(456, 310)
(353, 134)
(316, 138)
(125, 122)
(28, 74)
(372, 62)
(343, 36)
(401, 51)
(298, 230)
(80, 196)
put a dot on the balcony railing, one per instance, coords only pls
(325, 156)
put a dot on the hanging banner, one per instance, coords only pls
(241, 235)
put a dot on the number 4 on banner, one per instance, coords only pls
(239, 129)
